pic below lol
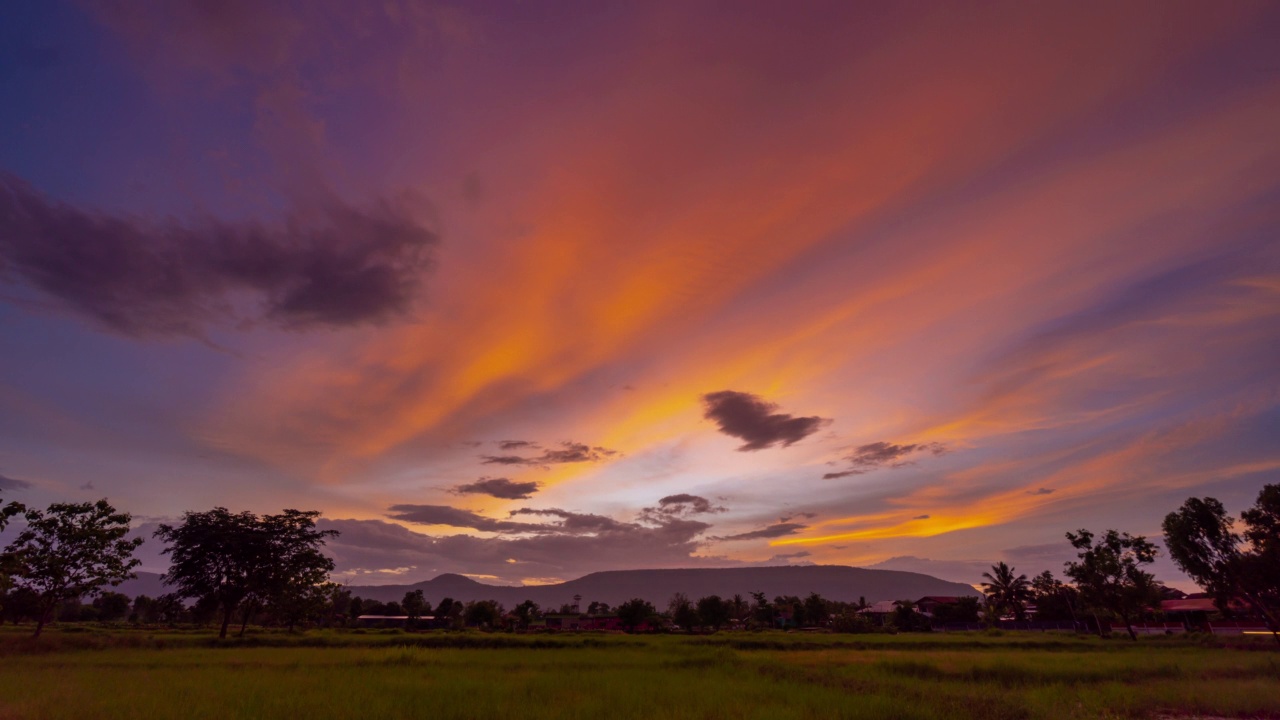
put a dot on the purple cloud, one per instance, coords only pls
(338, 266)
(751, 418)
(499, 488)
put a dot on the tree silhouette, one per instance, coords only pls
(634, 613)
(72, 550)
(12, 509)
(1005, 591)
(713, 611)
(240, 561)
(1054, 599)
(682, 611)
(815, 609)
(415, 605)
(1109, 574)
(525, 613)
(1201, 539)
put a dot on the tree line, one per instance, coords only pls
(224, 563)
(271, 569)
(1239, 570)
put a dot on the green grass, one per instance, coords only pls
(377, 674)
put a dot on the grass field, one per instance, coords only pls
(75, 673)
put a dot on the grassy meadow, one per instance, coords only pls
(94, 673)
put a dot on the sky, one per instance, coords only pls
(526, 290)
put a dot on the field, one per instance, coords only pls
(89, 673)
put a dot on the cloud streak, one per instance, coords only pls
(12, 483)
(567, 452)
(341, 266)
(776, 530)
(872, 456)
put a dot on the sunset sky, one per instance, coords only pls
(527, 290)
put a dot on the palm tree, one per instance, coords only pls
(1006, 591)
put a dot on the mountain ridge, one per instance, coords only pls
(833, 582)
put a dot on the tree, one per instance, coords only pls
(1260, 577)
(1005, 591)
(682, 611)
(905, 617)
(634, 613)
(762, 611)
(294, 572)
(415, 605)
(815, 609)
(238, 560)
(1054, 599)
(71, 551)
(963, 610)
(216, 555)
(713, 611)
(482, 613)
(449, 612)
(297, 604)
(111, 606)
(598, 608)
(339, 605)
(525, 613)
(1202, 541)
(10, 510)
(790, 604)
(1109, 574)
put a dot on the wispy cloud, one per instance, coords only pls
(871, 456)
(339, 267)
(566, 452)
(12, 483)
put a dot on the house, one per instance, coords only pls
(881, 612)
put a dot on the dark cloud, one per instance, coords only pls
(686, 504)
(516, 444)
(752, 418)
(573, 523)
(678, 506)
(572, 452)
(771, 531)
(805, 515)
(567, 452)
(338, 266)
(920, 517)
(499, 488)
(10, 483)
(1041, 491)
(451, 516)
(784, 557)
(872, 456)
(506, 460)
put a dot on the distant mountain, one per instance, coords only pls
(834, 582)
